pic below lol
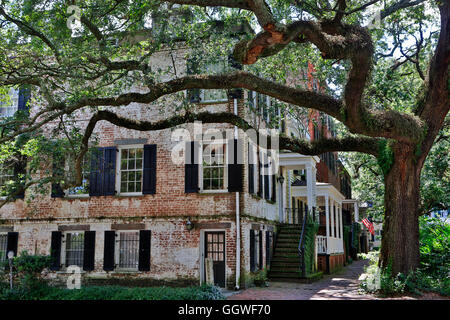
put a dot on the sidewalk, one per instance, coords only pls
(343, 285)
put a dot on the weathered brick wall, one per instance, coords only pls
(175, 252)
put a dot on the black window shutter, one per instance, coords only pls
(251, 180)
(266, 187)
(149, 179)
(267, 248)
(274, 189)
(96, 174)
(24, 96)
(57, 172)
(252, 250)
(191, 168)
(55, 250)
(193, 95)
(144, 249)
(260, 181)
(234, 166)
(89, 251)
(251, 170)
(19, 175)
(109, 249)
(260, 250)
(12, 242)
(109, 171)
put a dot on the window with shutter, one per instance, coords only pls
(214, 171)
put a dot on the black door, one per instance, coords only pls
(215, 249)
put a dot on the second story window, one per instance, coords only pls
(214, 167)
(131, 169)
(85, 174)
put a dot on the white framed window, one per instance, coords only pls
(127, 250)
(72, 250)
(85, 175)
(214, 170)
(7, 109)
(214, 95)
(130, 170)
(6, 177)
(3, 246)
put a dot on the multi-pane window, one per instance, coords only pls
(74, 248)
(7, 109)
(128, 250)
(6, 176)
(3, 241)
(214, 95)
(214, 168)
(85, 174)
(131, 170)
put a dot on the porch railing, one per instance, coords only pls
(321, 244)
(329, 245)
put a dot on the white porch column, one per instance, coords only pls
(310, 185)
(341, 242)
(332, 218)
(327, 221)
(356, 211)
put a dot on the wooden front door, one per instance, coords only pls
(215, 249)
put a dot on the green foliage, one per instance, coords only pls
(434, 247)
(46, 292)
(310, 245)
(385, 156)
(260, 278)
(433, 273)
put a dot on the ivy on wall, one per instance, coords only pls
(310, 245)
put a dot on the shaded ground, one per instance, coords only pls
(343, 285)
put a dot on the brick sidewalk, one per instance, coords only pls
(343, 285)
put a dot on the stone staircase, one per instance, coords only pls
(285, 264)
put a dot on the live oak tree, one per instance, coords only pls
(97, 65)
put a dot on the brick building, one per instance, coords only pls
(140, 217)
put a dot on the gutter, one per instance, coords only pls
(238, 219)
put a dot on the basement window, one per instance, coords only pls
(74, 249)
(127, 253)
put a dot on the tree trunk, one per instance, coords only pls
(400, 239)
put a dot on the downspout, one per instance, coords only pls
(238, 218)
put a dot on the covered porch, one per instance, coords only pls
(293, 210)
(330, 239)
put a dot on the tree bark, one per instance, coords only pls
(400, 239)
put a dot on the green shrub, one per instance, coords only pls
(46, 292)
